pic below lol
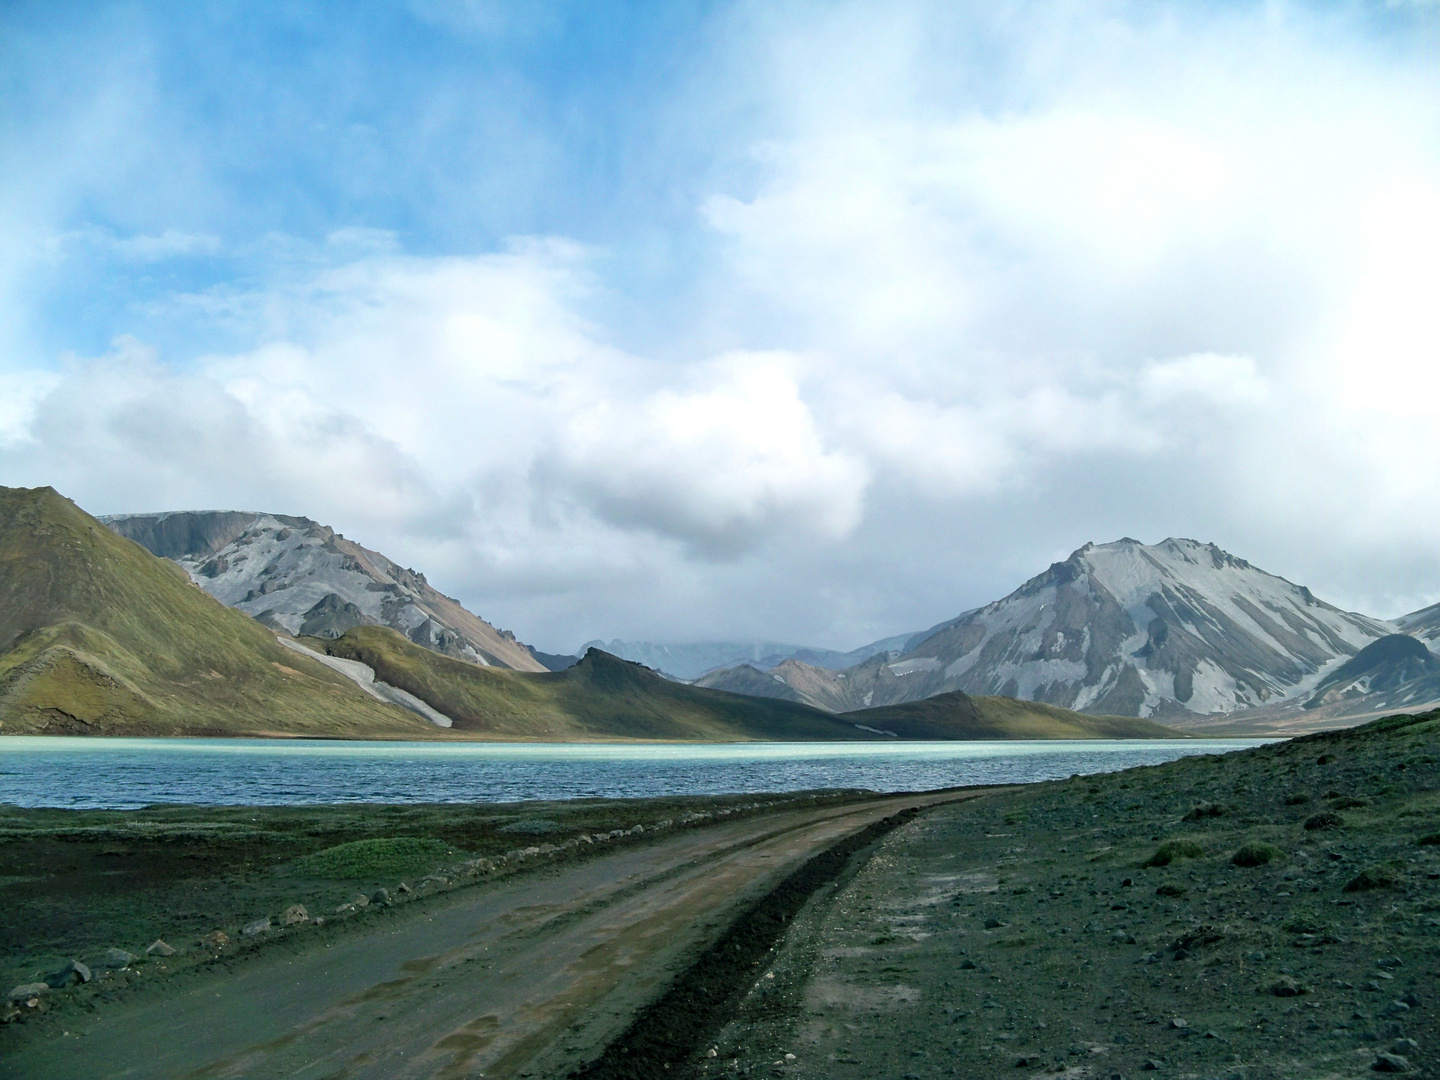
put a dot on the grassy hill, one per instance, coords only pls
(605, 697)
(959, 716)
(98, 636)
(601, 697)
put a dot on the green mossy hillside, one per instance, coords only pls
(98, 636)
(601, 697)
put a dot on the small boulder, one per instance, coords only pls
(72, 973)
(380, 897)
(115, 960)
(294, 915)
(1285, 986)
(26, 991)
(256, 928)
(1327, 820)
(1177, 1024)
(993, 923)
(361, 901)
(159, 948)
(1391, 1063)
(402, 889)
(967, 964)
(216, 939)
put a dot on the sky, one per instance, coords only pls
(807, 322)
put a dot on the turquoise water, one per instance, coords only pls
(128, 773)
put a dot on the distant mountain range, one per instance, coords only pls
(1178, 630)
(101, 636)
(691, 661)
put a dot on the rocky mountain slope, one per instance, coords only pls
(296, 575)
(1423, 624)
(1178, 630)
(1393, 672)
(604, 696)
(98, 636)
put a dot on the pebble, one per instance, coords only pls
(159, 948)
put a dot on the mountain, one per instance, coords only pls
(1178, 629)
(98, 636)
(296, 575)
(694, 660)
(1397, 667)
(957, 715)
(603, 697)
(1423, 624)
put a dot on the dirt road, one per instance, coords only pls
(526, 977)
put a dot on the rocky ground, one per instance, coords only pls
(1266, 914)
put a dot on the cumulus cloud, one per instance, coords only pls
(974, 286)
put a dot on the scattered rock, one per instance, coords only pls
(26, 991)
(1376, 877)
(115, 960)
(1286, 986)
(294, 915)
(1391, 1063)
(72, 973)
(159, 948)
(259, 926)
(218, 939)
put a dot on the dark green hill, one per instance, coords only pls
(959, 716)
(98, 636)
(601, 697)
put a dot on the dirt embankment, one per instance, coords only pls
(1270, 913)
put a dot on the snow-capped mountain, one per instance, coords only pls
(1174, 629)
(1423, 624)
(303, 577)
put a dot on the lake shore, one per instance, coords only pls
(1081, 927)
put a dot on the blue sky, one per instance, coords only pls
(790, 320)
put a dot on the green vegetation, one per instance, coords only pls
(98, 636)
(601, 697)
(387, 856)
(1254, 854)
(959, 716)
(1171, 850)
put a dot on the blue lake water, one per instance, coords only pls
(128, 773)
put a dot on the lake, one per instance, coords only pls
(99, 773)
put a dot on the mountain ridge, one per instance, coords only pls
(297, 575)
